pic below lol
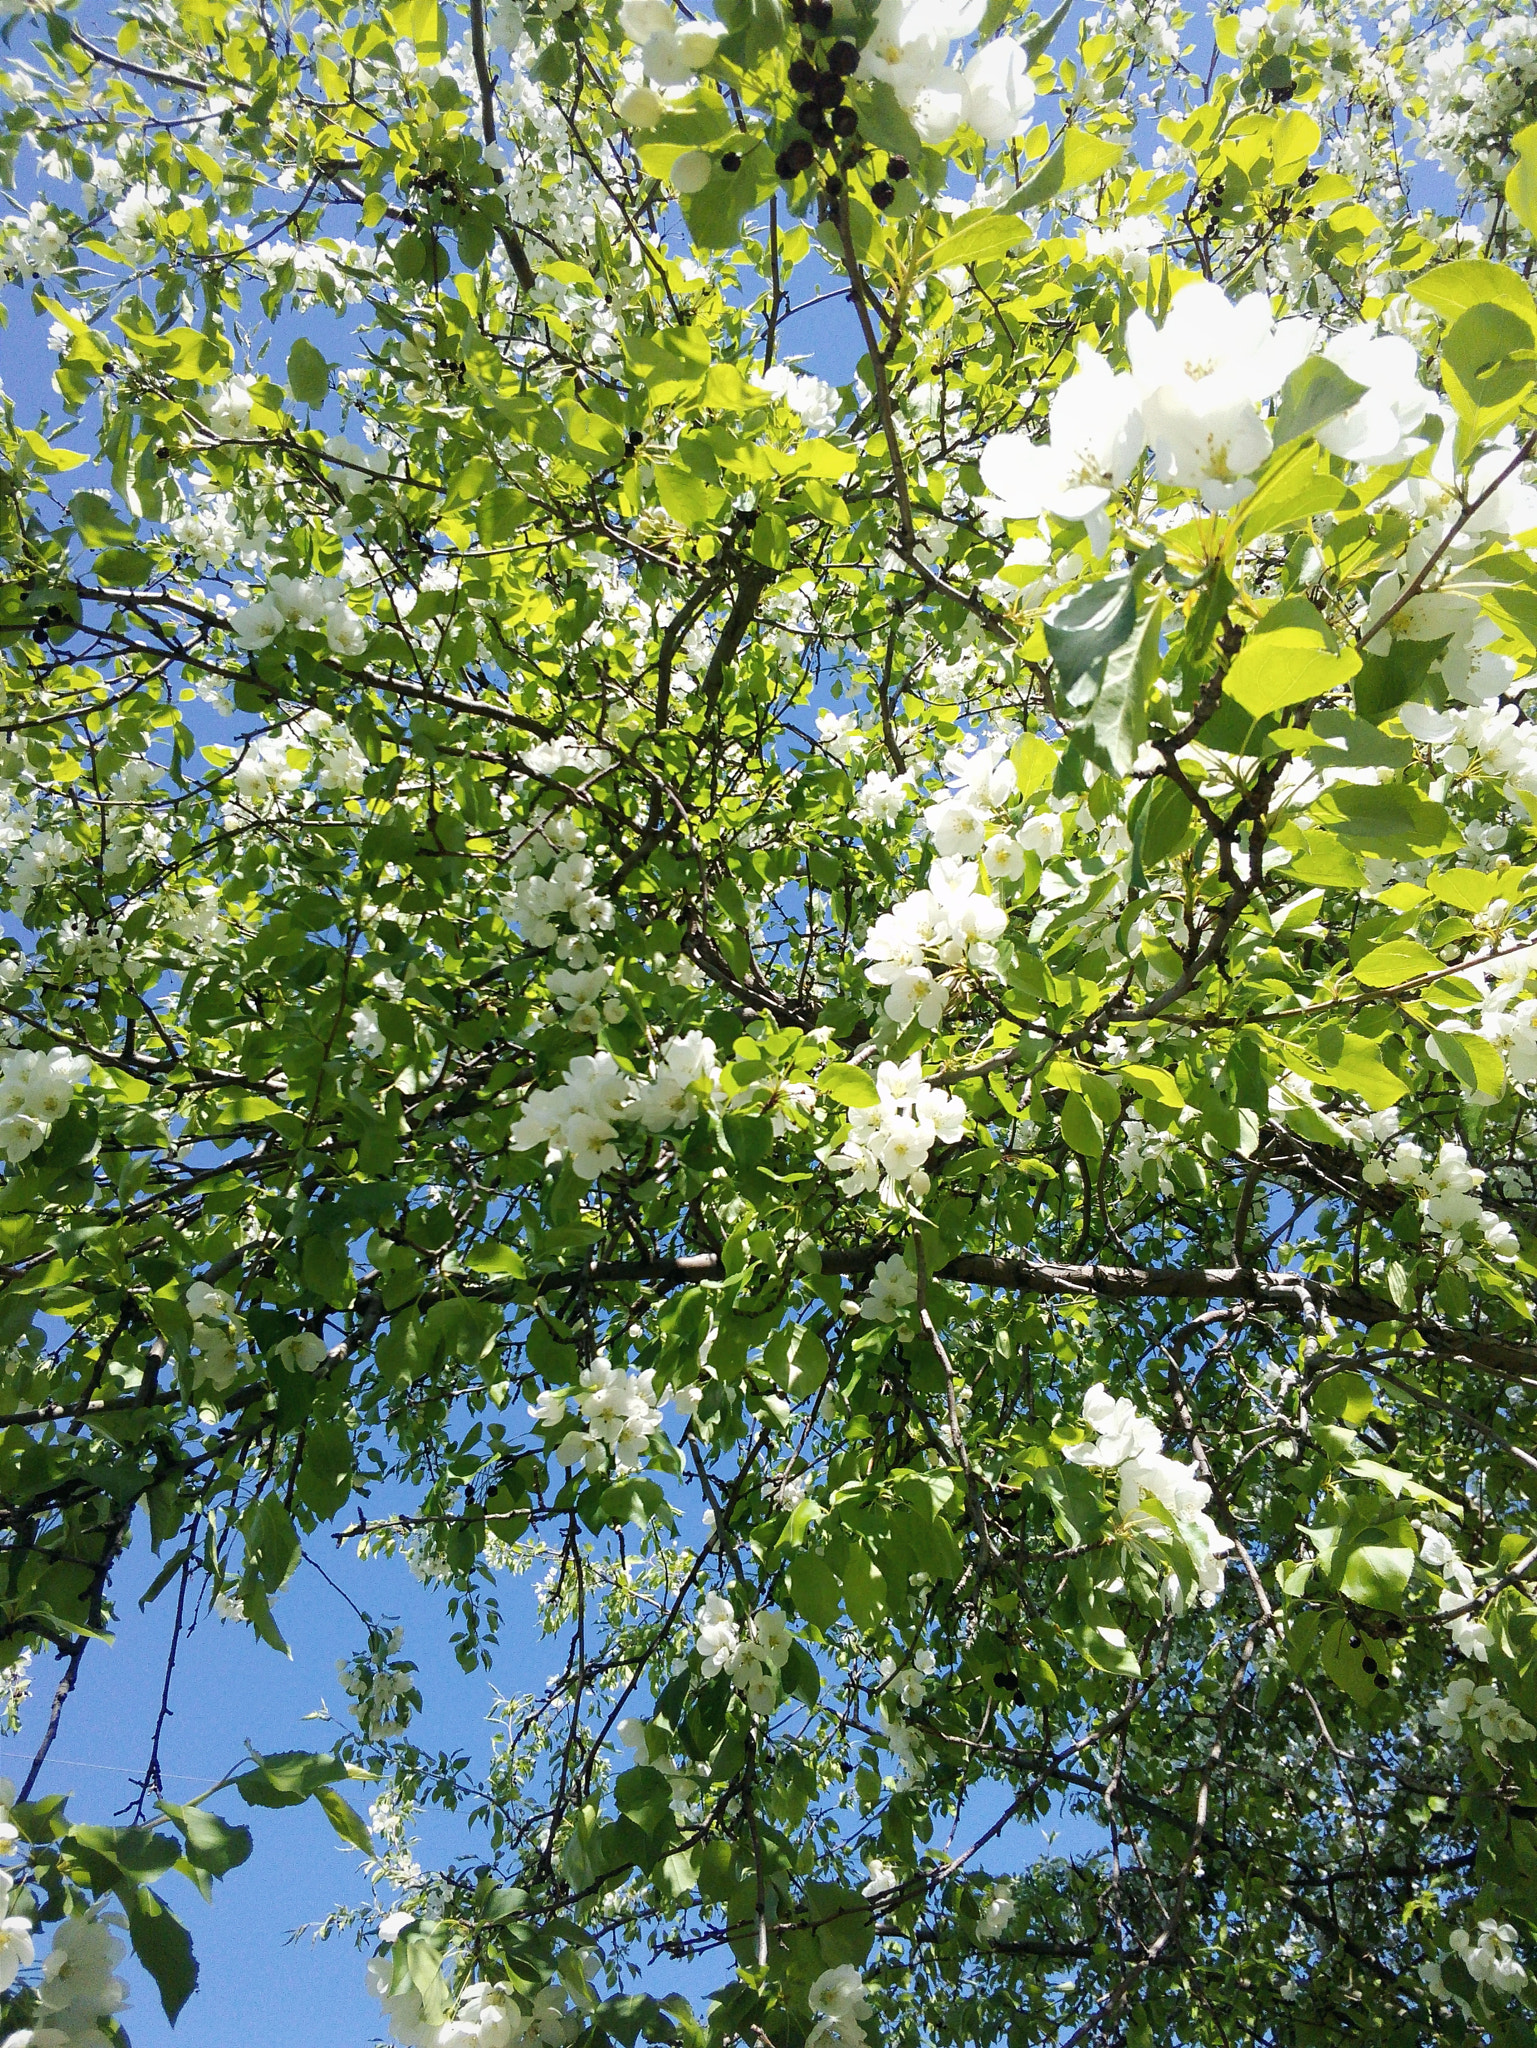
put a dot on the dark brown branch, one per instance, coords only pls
(1290, 1293)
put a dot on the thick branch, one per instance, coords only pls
(1290, 1293)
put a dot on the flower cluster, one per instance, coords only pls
(952, 923)
(1448, 1196)
(380, 1685)
(79, 1989)
(619, 1409)
(1470, 109)
(903, 1688)
(34, 245)
(1491, 1960)
(217, 1334)
(842, 2005)
(910, 50)
(1470, 1637)
(1131, 1446)
(889, 1142)
(672, 52)
(486, 2016)
(16, 1950)
(1498, 1721)
(36, 1090)
(308, 604)
(579, 1118)
(552, 880)
(893, 1288)
(1193, 395)
(996, 1917)
(752, 1658)
(1491, 739)
(814, 402)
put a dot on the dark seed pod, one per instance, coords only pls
(843, 58)
(844, 121)
(731, 161)
(898, 168)
(882, 194)
(827, 91)
(803, 74)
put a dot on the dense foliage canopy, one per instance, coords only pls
(886, 1029)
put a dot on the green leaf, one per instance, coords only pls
(671, 365)
(140, 1852)
(1286, 665)
(1401, 960)
(1316, 392)
(1159, 822)
(1456, 288)
(1473, 1060)
(1078, 159)
(309, 374)
(850, 1086)
(212, 1844)
(1344, 1662)
(1373, 1566)
(1521, 185)
(1345, 1397)
(98, 521)
(1106, 660)
(1297, 135)
(751, 1138)
(288, 1778)
(272, 1543)
(1081, 1128)
(500, 516)
(346, 1819)
(977, 238)
(1039, 38)
(1294, 485)
(1489, 364)
(815, 1589)
(163, 1946)
(645, 1796)
(1390, 820)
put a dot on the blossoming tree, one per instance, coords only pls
(886, 1028)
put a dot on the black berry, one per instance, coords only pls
(820, 14)
(803, 74)
(897, 168)
(833, 187)
(1369, 1664)
(809, 115)
(794, 158)
(731, 161)
(843, 58)
(844, 121)
(827, 91)
(882, 194)
(1355, 1642)
(1380, 1682)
